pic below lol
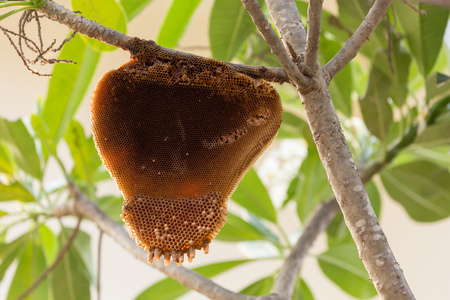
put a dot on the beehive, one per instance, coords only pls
(177, 133)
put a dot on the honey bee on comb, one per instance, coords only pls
(177, 134)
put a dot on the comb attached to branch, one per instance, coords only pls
(178, 133)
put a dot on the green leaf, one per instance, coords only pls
(342, 265)
(83, 153)
(82, 244)
(255, 51)
(311, 186)
(302, 291)
(293, 125)
(9, 252)
(3, 213)
(437, 155)
(15, 191)
(342, 84)
(376, 111)
(30, 268)
(395, 65)
(401, 60)
(229, 27)
(43, 135)
(70, 279)
(421, 187)
(68, 86)
(259, 288)
(169, 289)
(22, 146)
(106, 12)
(49, 243)
(237, 230)
(133, 7)
(6, 164)
(252, 194)
(436, 87)
(424, 33)
(112, 206)
(176, 21)
(435, 135)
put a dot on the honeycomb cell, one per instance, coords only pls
(177, 133)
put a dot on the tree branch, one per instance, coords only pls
(276, 46)
(284, 285)
(81, 205)
(111, 37)
(361, 35)
(342, 173)
(313, 34)
(443, 3)
(289, 25)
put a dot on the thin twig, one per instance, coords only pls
(55, 263)
(419, 11)
(313, 34)
(389, 43)
(284, 285)
(99, 258)
(28, 16)
(275, 44)
(7, 33)
(358, 39)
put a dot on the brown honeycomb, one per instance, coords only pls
(177, 133)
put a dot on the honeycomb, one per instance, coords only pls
(177, 133)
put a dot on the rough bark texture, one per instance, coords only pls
(284, 285)
(78, 23)
(342, 173)
(352, 197)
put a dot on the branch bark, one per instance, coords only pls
(313, 35)
(111, 37)
(335, 155)
(82, 206)
(359, 38)
(289, 25)
(276, 46)
(284, 285)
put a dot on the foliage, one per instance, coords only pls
(400, 85)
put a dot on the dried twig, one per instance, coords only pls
(35, 47)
